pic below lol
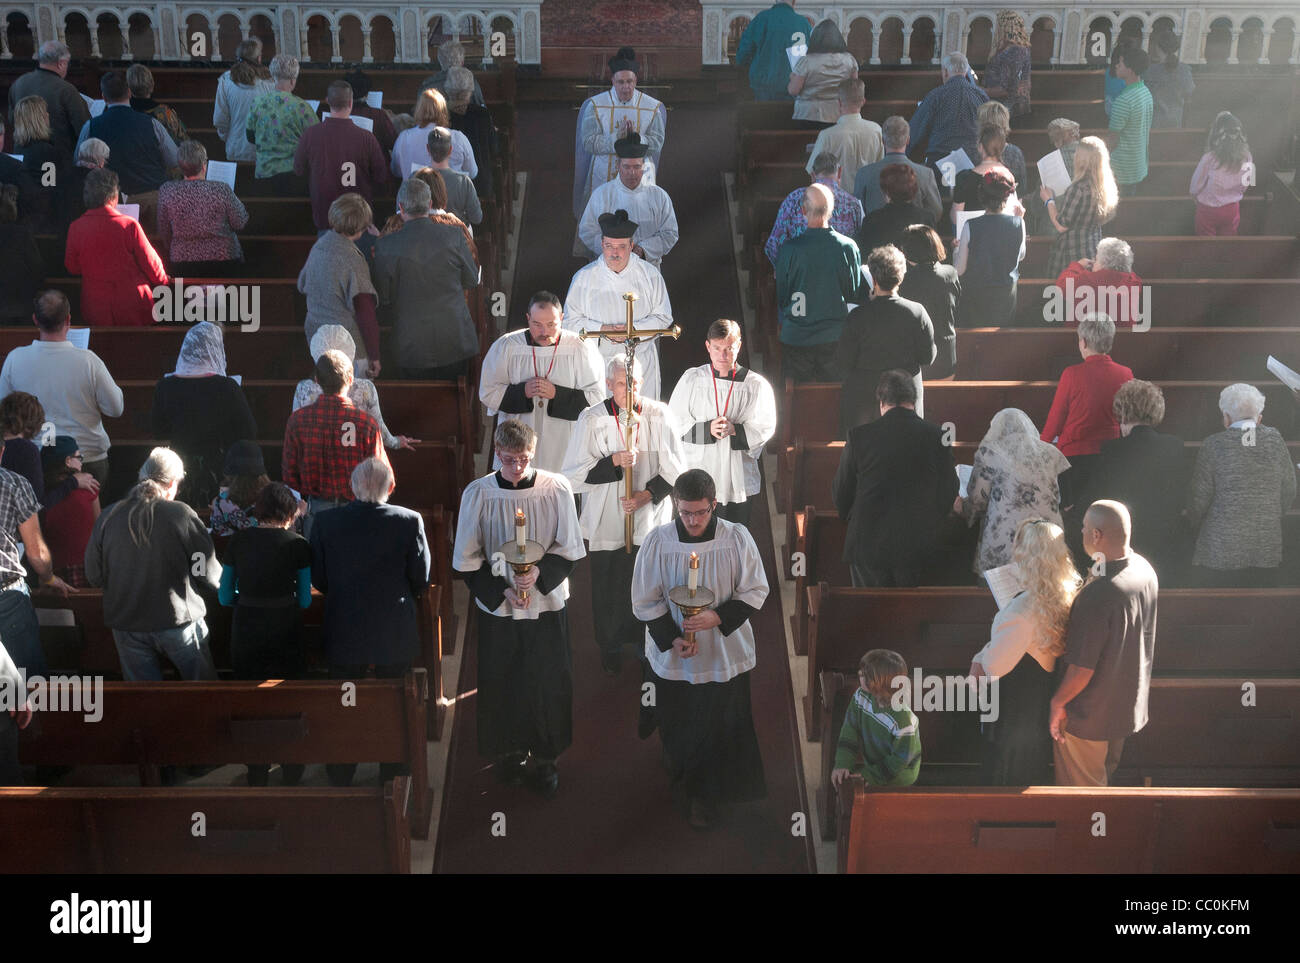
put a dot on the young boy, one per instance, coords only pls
(878, 742)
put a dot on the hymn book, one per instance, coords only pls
(1004, 583)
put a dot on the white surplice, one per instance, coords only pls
(749, 403)
(730, 567)
(571, 363)
(596, 297)
(649, 206)
(595, 161)
(599, 434)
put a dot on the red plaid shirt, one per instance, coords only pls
(320, 450)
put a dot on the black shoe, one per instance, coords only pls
(510, 768)
(611, 661)
(546, 779)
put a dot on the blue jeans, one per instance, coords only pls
(19, 631)
(185, 646)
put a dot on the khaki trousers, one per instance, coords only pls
(1084, 762)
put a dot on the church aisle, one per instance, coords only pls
(615, 811)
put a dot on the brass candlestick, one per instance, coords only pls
(522, 560)
(691, 603)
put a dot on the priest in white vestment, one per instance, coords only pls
(606, 117)
(525, 676)
(597, 460)
(544, 377)
(595, 299)
(701, 704)
(728, 414)
(645, 202)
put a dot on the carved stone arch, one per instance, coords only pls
(142, 33)
(732, 28)
(923, 44)
(76, 29)
(1218, 38)
(20, 35)
(196, 23)
(1250, 45)
(1099, 23)
(350, 32)
(980, 28)
(320, 29)
(890, 47)
(1044, 28)
(1282, 41)
(860, 37)
(231, 32)
(383, 37)
(513, 36)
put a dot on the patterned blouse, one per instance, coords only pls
(197, 221)
(1009, 69)
(228, 517)
(1007, 495)
(276, 121)
(1077, 212)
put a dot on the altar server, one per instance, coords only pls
(645, 202)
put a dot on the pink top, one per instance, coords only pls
(1214, 187)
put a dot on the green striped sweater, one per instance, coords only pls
(882, 745)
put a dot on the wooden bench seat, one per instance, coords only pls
(399, 84)
(1050, 830)
(153, 724)
(362, 829)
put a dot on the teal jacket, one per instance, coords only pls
(763, 44)
(816, 274)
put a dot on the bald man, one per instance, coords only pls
(818, 274)
(1109, 645)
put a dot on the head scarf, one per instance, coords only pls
(333, 337)
(1012, 442)
(1012, 28)
(203, 352)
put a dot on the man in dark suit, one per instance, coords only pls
(895, 485)
(371, 560)
(67, 110)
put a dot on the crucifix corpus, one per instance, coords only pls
(630, 337)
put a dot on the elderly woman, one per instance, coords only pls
(884, 333)
(22, 270)
(1111, 269)
(201, 411)
(1145, 469)
(118, 266)
(1081, 417)
(993, 113)
(34, 142)
(1014, 477)
(816, 77)
(336, 280)
(364, 395)
(935, 286)
(153, 558)
(475, 122)
(1027, 637)
(371, 560)
(275, 122)
(198, 218)
(989, 251)
(140, 80)
(1063, 134)
(1243, 484)
(91, 155)
(237, 88)
(450, 54)
(885, 225)
(411, 149)
(1090, 201)
(1006, 78)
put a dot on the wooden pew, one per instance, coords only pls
(1049, 830)
(1194, 737)
(360, 829)
(399, 84)
(1204, 632)
(1191, 407)
(152, 724)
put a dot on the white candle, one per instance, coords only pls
(693, 574)
(520, 530)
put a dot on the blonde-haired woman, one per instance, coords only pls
(34, 142)
(1027, 637)
(1087, 204)
(412, 145)
(1006, 78)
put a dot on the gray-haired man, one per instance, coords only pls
(866, 186)
(68, 111)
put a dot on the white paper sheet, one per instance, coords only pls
(17, 157)
(959, 160)
(963, 480)
(963, 217)
(85, 98)
(314, 105)
(375, 99)
(365, 123)
(96, 108)
(1283, 374)
(1052, 171)
(80, 337)
(223, 171)
(795, 52)
(130, 210)
(1004, 583)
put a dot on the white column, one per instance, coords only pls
(1263, 48)
(94, 39)
(302, 32)
(335, 56)
(126, 41)
(366, 56)
(907, 44)
(1057, 34)
(1295, 47)
(875, 43)
(1232, 51)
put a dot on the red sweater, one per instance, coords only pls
(118, 266)
(322, 151)
(67, 526)
(1105, 278)
(1081, 411)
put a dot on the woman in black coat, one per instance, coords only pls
(885, 225)
(937, 288)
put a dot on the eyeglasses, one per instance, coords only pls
(516, 462)
(695, 516)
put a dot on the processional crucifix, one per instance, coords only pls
(630, 337)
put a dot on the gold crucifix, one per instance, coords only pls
(630, 337)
